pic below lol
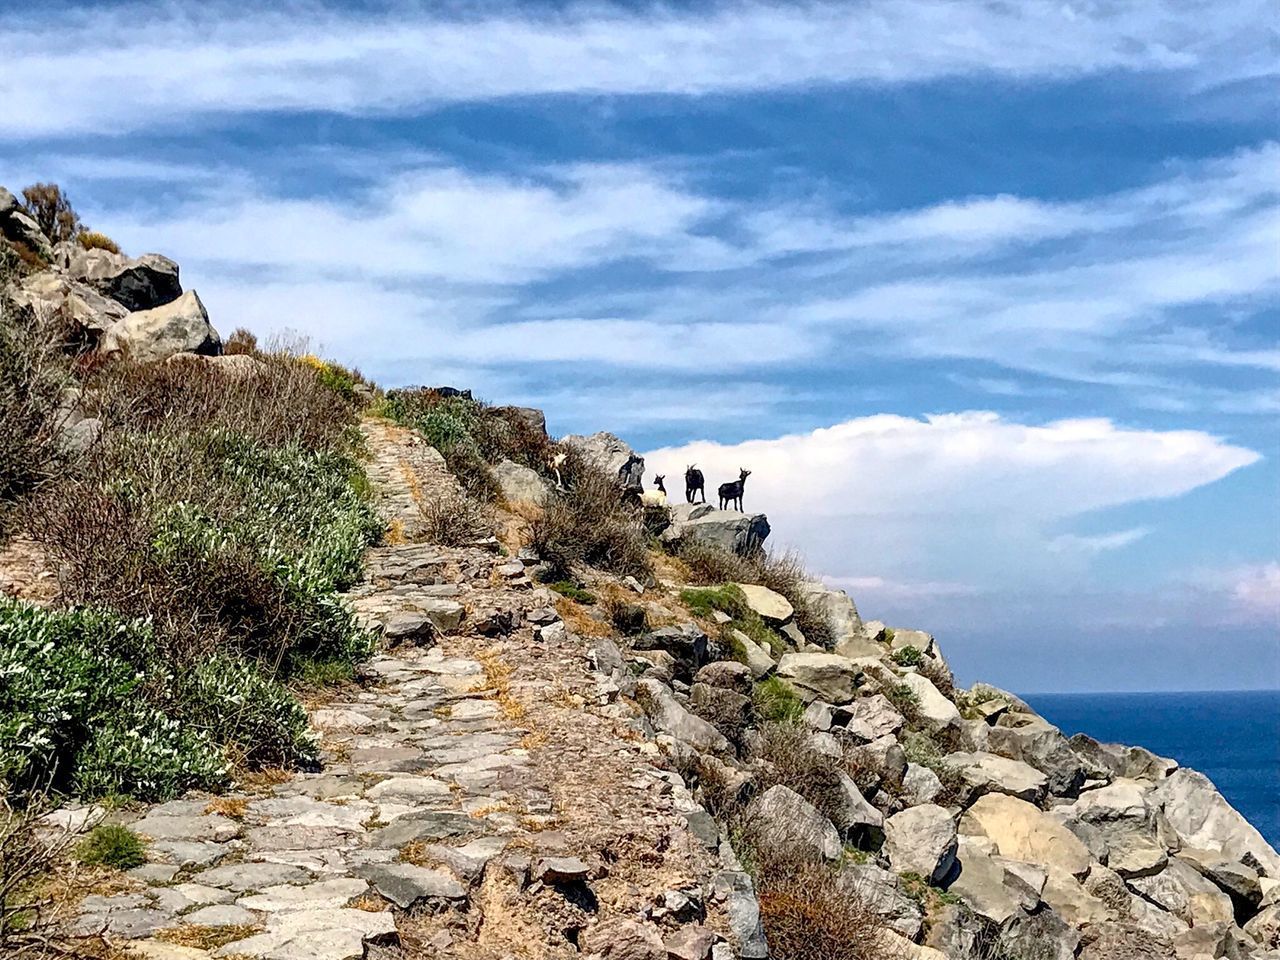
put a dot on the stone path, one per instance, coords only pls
(483, 793)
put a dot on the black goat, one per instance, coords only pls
(657, 482)
(694, 483)
(732, 492)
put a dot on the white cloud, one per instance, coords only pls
(961, 498)
(1256, 591)
(878, 589)
(129, 67)
(1070, 543)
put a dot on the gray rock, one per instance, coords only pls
(729, 530)
(825, 676)
(692, 942)
(1037, 742)
(736, 888)
(211, 827)
(869, 718)
(1181, 890)
(937, 713)
(242, 877)
(686, 643)
(316, 934)
(321, 895)
(772, 607)
(988, 773)
(221, 915)
(434, 825)
(1204, 820)
(611, 455)
(920, 784)
(836, 606)
(560, 870)
(469, 860)
(880, 889)
(520, 484)
(921, 840)
(987, 888)
(668, 716)
(135, 283)
(756, 657)
(178, 327)
(407, 885)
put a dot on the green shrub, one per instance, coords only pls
(907, 657)
(777, 701)
(136, 750)
(567, 588)
(111, 845)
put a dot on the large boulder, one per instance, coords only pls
(773, 607)
(789, 820)
(937, 713)
(837, 606)
(854, 817)
(730, 530)
(669, 717)
(178, 327)
(137, 283)
(869, 718)
(519, 484)
(1118, 760)
(611, 455)
(987, 888)
(1181, 890)
(1020, 831)
(987, 773)
(1204, 819)
(881, 891)
(48, 293)
(1035, 741)
(921, 840)
(824, 676)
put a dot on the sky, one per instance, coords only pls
(986, 295)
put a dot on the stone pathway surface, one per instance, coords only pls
(483, 793)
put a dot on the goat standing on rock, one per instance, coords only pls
(694, 483)
(732, 492)
(655, 498)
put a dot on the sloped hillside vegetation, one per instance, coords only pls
(202, 515)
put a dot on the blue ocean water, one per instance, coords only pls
(1233, 738)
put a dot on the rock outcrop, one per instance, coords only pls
(107, 301)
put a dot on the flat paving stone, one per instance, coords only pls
(427, 826)
(187, 854)
(409, 787)
(407, 885)
(316, 935)
(187, 828)
(250, 876)
(324, 895)
(221, 915)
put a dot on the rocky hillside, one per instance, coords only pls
(456, 691)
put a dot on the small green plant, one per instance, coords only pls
(569, 589)
(111, 845)
(777, 701)
(905, 701)
(889, 635)
(703, 601)
(907, 657)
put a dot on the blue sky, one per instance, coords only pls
(986, 295)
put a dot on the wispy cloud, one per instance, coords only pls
(95, 70)
(1070, 543)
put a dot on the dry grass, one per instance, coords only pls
(233, 807)
(95, 240)
(456, 520)
(811, 913)
(497, 675)
(263, 779)
(578, 620)
(589, 525)
(206, 938)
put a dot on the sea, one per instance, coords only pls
(1233, 738)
